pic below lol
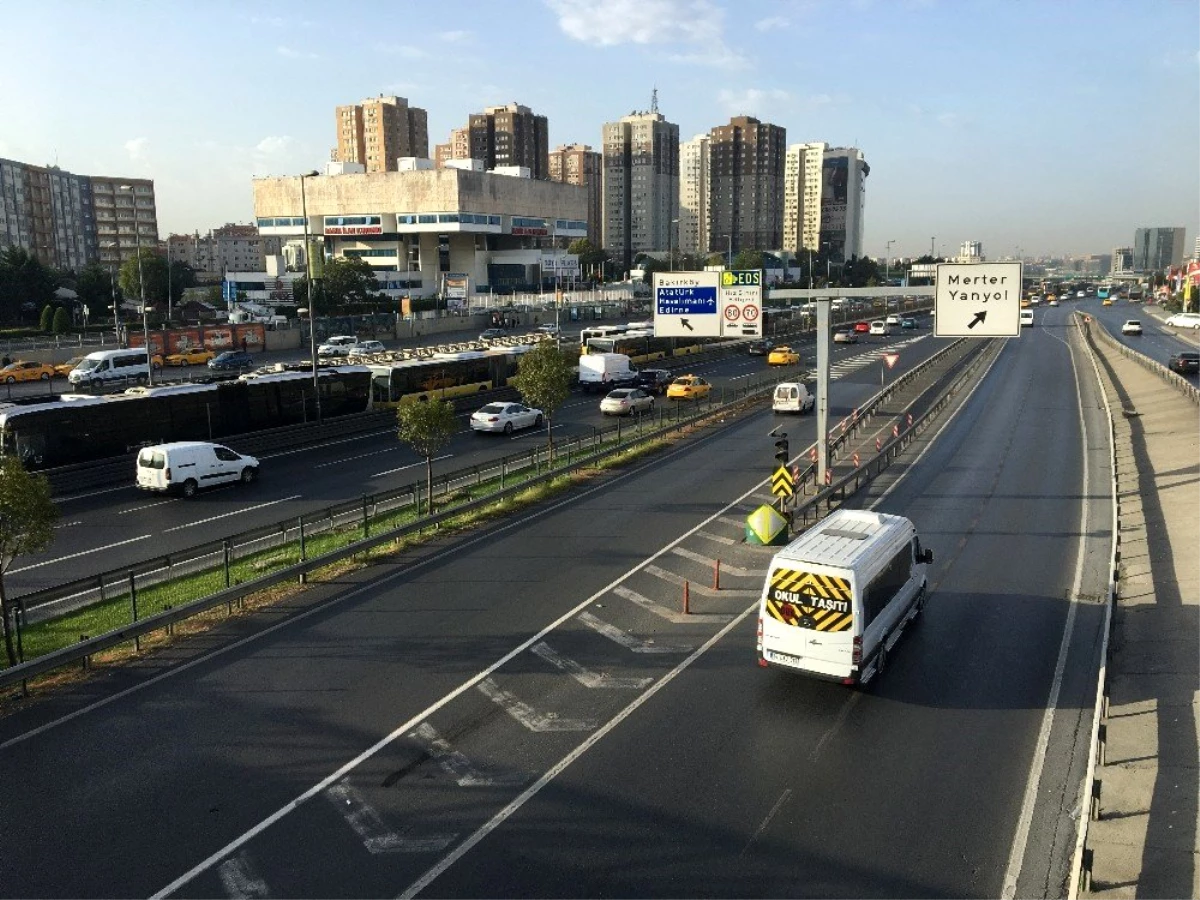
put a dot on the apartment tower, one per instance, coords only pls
(1155, 249)
(511, 135)
(458, 147)
(746, 177)
(844, 172)
(802, 197)
(695, 198)
(641, 184)
(380, 130)
(581, 165)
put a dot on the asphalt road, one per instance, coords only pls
(524, 713)
(1157, 341)
(117, 527)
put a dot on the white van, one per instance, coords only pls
(187, 466)
(792, 396)
(605, 371)
(837, 598)
(107, 366)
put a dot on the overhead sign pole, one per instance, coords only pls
(978, 300)
(823, 306)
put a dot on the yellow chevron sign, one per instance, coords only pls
(807, 600)
(783, 483)
(766, 526)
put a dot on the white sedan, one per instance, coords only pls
(338, 345)
(1131, 326)
(626, 402)
(506, 417)
(1184, 320)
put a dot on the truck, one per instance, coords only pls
(605, 371)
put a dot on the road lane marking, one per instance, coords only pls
(701, 589)
(455, 764)
(368, 824)
(1016, 858)
(346, 459)
(236, 512)
(310, 447)
(241, 880)
(144, 506)
(710, 561)
(628, 641)
(410, 466)
(526, 714)
(783, 798)
(59, 559)
(584, 676)
(529, 793)
(659, 610)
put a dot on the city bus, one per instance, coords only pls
(1103, 291)
(77, 428)
(444, 376)
(644, 347)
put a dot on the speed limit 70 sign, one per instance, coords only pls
(741, 303)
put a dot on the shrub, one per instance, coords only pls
(62, 321)
(47, 319)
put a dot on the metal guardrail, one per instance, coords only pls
(1174, 379)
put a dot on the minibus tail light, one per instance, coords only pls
(856, 653)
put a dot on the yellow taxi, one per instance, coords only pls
(194, 356)
(688, 387)
(26, 371)
(1107, 302)
(783, 356)
(64, 368)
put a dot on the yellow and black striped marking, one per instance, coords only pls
(807, 600)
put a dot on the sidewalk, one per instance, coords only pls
(1144, 841)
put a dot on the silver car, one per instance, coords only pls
(626, 402)
(506, 417)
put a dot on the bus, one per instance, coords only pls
(77, 428)
(599, 331)
(1103, 291)
(444, 376)
(644, 347)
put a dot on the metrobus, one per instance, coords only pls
(77, 428)
(444, 376)
(599, 331)
(644, 347)
(1102, 291)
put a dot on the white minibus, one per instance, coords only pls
(837, 598)
(107, 366)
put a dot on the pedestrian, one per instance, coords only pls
(5, 362)
(243, 344)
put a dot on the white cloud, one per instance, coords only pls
(292, 53)
(771, 23)
(136, 148)
(273, 145)
(455, 36)
(408, 51)
(607, 23)
(753, 101)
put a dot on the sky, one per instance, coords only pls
(1051, 127)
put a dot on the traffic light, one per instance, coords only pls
(781, 450)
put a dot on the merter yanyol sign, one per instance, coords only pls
(978, 300)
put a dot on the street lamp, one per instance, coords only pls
(729, 251)
(887, 264)
(312, 302)
(671, 244)
(137, 234)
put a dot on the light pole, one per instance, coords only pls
(932, 251)
(671, 244)
(887, 263)
(729, 251)
(137, 234)
(312, 301)
(810, 281)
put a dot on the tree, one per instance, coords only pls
(153, 275)
(23, 280)
(544, 380)
(27, 517)
(748, 259)
(47, 318)
(348, 281)
(427, 427)
(62, 321)
(591, 258)
(95, 288)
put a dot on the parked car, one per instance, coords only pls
(232, 361)
(1131, 326)
(27, 371)
(1184, 362)
(1184, 320)
(506, 417)
(783, 356)
(761, 348)
(194, 356)
(654, 381)
(845, 336)
(688, 387)
(337, 345)
(626, 402)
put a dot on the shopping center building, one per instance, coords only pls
(422, 227)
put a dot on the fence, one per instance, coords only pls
(1174, 379)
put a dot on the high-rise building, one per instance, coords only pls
(844, 174)
(379, 131)
(511, 135)
(125, 217)
(641, 184)
(458, 147)
(581, 165)
(1154, 249)
(802, 197)
(230, 248)
(970, 252)
(695, 198)
(746, 177)
(1122, 260)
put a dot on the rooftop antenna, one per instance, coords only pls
(654, 99)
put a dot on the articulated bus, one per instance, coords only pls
(78, 428)
(444, 376)
(644, 347)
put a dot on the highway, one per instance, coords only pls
(525, 712)
(120, 526)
